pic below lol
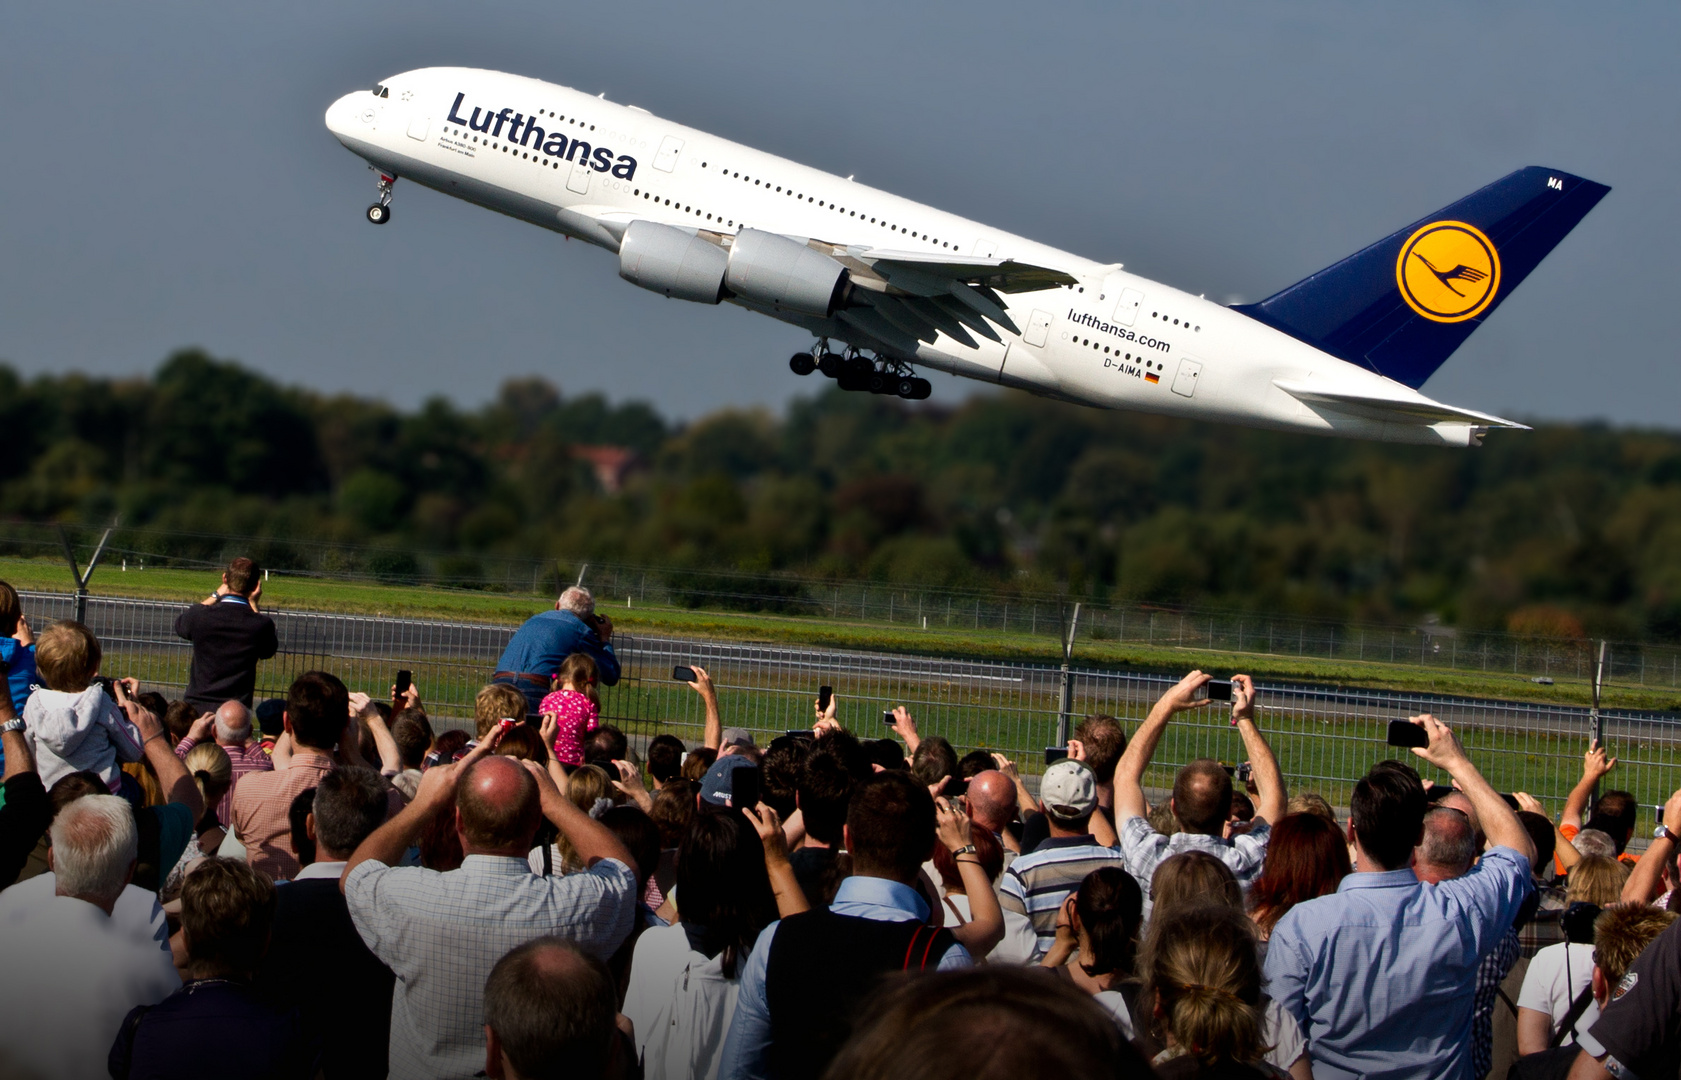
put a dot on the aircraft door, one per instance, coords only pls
(666, 159)
(1126, 300)
(579, 180)
(1038, 328)
(1185, 382)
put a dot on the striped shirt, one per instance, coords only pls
(441, 933)
(1037, 883)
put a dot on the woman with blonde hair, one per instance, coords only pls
(212, 771)
(591, 790)
(1202, 986)
(1556, 1001)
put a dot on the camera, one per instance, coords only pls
(1577, 922)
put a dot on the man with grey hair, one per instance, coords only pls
(547, 638)
(77, 973)
(1448, 847)
(231, 725)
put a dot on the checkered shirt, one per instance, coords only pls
(1145, 849)
(441, 933)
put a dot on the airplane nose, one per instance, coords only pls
(346, 114)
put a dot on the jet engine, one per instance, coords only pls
(674, 262)
(770, 269)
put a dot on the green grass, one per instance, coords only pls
(491, 607)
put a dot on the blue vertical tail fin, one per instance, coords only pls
(1402, 306)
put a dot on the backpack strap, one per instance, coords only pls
(1568, 1024)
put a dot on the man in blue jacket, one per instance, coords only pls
(546, 639)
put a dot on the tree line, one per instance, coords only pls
(1569, 529)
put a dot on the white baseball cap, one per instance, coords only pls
(1069, 789)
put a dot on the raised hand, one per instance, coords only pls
(1183, 694)
(1595, 764)
(951, 825)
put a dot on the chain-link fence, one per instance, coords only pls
(1325, 738)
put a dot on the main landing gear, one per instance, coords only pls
(380, 212)
(852, 370)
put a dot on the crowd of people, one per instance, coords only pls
(329, 885)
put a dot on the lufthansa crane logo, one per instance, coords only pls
(1448, 271)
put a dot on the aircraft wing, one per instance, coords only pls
(1398, 410)
(923, 273)
(919, 295)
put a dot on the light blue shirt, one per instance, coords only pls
(1382, 974)
(864, 897)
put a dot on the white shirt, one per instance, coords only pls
(680, 1004)
(1117, 1007)
(1019, 941)
(73, 974)
(1284, 1034)
(136, 913)
(334, 870)
(1556, 975)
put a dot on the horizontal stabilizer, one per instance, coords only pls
(1396, 410)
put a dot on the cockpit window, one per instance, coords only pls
(380, 90)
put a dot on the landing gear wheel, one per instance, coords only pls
(906, 387)
(802, 364)
(880, 382)
(922, 391)
(830, 364)
(850, 379)
(379, 213)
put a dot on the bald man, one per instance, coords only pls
(992, 803)
(231, 725)
(442, 933)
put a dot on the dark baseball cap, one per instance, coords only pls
(719, 783)
(271, 716)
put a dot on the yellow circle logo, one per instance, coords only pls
(1448, 271)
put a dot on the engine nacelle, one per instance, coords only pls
(784, 274)
(673, 262)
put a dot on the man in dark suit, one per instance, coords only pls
(317, 961)
(229, 635)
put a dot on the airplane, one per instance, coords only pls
(886, 285)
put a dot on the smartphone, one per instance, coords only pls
(1054, 754)
(887, 717)
(401, 684)
(744, 787)
(801, 733)
(683, 673)
(824, 693)
(1244, 773)
(1407, 733)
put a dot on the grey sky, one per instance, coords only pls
(168, 180)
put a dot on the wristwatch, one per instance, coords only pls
(14, 724)
(966, 849)
(1660, 833)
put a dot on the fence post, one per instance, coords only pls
(1594, 730)
(82, 577)
(1065, 697)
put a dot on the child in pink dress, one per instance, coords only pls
(576, 707)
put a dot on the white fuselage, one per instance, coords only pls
(1112, 340)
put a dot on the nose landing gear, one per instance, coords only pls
(854, 371)
(380, 212)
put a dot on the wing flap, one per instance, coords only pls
(922, 273)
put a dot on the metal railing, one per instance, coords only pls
(1325, 738)
(1000, 610)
